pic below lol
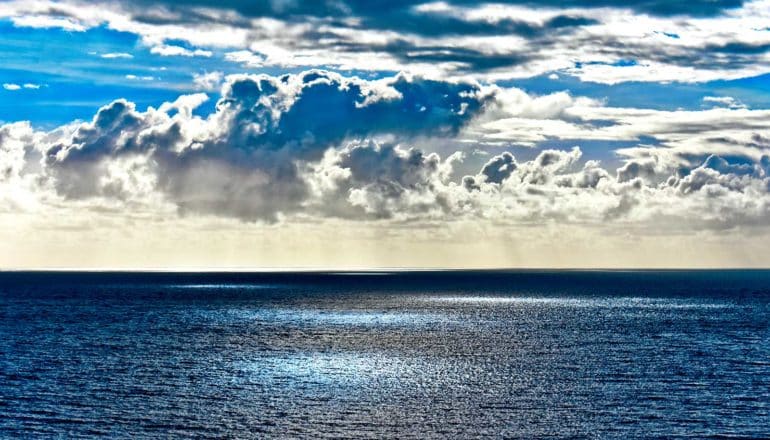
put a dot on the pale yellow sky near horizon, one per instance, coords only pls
(188, 244)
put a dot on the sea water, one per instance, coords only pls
(493, 354)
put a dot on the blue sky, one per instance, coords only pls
(608, 117)
(79, 71)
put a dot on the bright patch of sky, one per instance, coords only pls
(84, 70)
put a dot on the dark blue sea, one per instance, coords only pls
(464, 354)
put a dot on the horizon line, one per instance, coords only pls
(372, 270)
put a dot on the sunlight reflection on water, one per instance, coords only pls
(335, 368)
(196, 358)
(329, 317)
(228, 286)
(626, 302)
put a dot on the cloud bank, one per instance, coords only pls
(317, 145)
(601, 41)
(245, 159)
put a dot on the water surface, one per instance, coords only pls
(423, 354)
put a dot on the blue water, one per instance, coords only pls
(528, 354)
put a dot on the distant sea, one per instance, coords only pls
(458, 354)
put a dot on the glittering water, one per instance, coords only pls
(427, 354)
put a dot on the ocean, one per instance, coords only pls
(424, 354)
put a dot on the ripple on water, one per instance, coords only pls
(289, 362)
(322, 317)
(602, 302)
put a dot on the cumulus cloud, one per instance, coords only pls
(317, 144)
(499, 168)
(379, 180)
(13, 140)
(244, 159)
(374, 180)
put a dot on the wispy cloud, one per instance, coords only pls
(140, 77)
(47, 21)
(14, 86)
(169, 51)
(114, 55)
(727, 101)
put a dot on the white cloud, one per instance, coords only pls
(521, 119)
(208, 80)
(726, 101)
(170, 50)
(14, 86)
(114, 55)
(606, 45)
(246, 58)
(246, 159)
(45, 21)
(140, 77)
(319, 145)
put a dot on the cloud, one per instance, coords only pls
(382, 181)
(46, 21)
(363, 8)
(318, 145)
(726, 101)
(246, 58)
(13, 140)
(14, 87)
(208, 80)
(524, 120)
(244, 160)
(379, 180)
(140, 77)
(606, 42)
(114, 55)
(168, 50)
(499, 168)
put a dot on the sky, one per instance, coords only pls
(378, 134)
